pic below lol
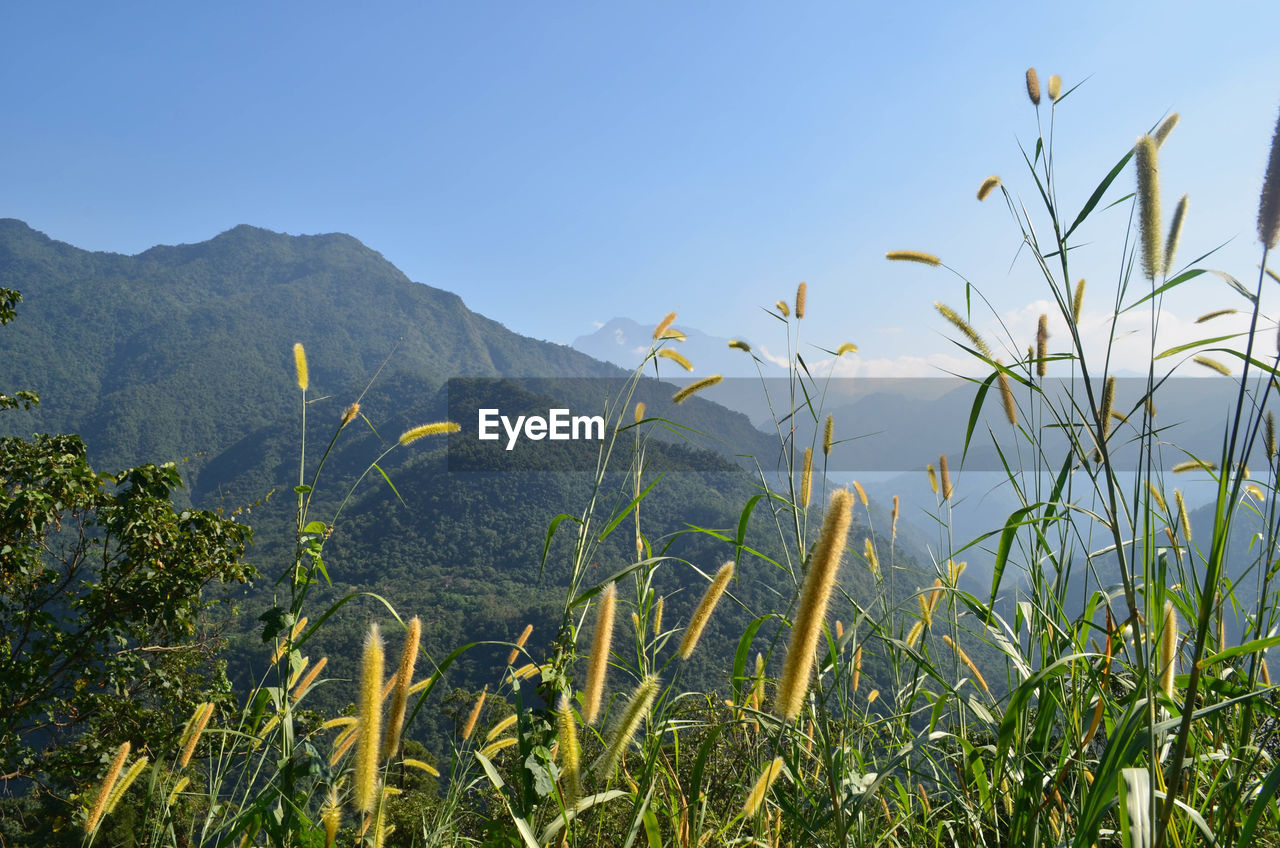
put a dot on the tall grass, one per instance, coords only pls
(1109, 687)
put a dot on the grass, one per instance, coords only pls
(1090, 697)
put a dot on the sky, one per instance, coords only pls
(560, 164)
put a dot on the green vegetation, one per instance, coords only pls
(761, 665)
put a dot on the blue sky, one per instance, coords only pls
(561, 164)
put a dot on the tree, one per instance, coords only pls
(101, 593)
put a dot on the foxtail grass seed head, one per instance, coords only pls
(914, 636)
(1217, 313)
(1269, 203)
(945, 475)
(989, 185)
(1168, 649)
(657, 616)
(806, 479)
(331, 817)
(1033, 86)
(674, 335)
(300, 366)
(694, 388)
(703, 613)
(839, 629)
(125, 782)
(738, 344)
(1077, 302)
(677, 357)
(893, 521)
(663, 325)
(195, 727)
(474, 716)
(1042, 346)
(847, 347)
(1255, 492)
(1145, 159)
(784, 309)
(869, 552)
(761, 787)
(1183, 518)
(176, 791)
(424, 430)
(601, 642)
(501, 727)
(1006, 397)
(349, 414)
(104, 791)
(1175, 232)
(1108, 401)
(369, 737)
(633, 714)
(570, 753)
(1157, 496)
(862, 494)
(639, 411)
(933, 478)
(857, 669)
(1194, 465)
(913, 256)
(964, 327)
(1212, 365)
(403, 680)
(1166, 127)
(524, 637)
(812, 608)
(968, 663)
(305, 683)
(1269, 435)
(1055, 87)
(1264, 674)
(828, 435)
(801, 291)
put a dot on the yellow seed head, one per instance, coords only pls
(862, 493)
(1157, 496)
(305, 683)
(968, 663)
(945, 474)
(933, 478)
(1042, 346)
(1077, 301)
(784, 309)
(663, 325)
(674, 334)
(1212, 365)
(657, 616)
(989, 185)
(1217, 313)
(370, 734)
(501, 727)
(676, 357)
(1145, 159)
(1269, 203)
(869, 552)
(1033, 86)
(1269, 435)
(474, 715)
(624, 730)
(1175, 232)
(349, 414)
(600, 644)
(524, 637)
(570, 752)
(1194, 465)
(1183, 519)
(1006, 396)
(1166, 127)
(1263, 673)
(857, 668)
(693, 388)
(424, 430)
(300, 366)
(828, 435)
(913, 256)
(108, 783)
(1168, 647)
(801, 290)
(738, 344)
(914, 636)
(331, 816)
(806, 479)
(125, 782)
(893, 521)
(761, 787)
(964, 327)
(847, 347)
(639, 411)
(812, 609)
(176, 791)
(703, 613)
(1055, 87)
(1108, 401)
(403, 680)
(195, 727)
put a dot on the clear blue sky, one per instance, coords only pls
(560, 164)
